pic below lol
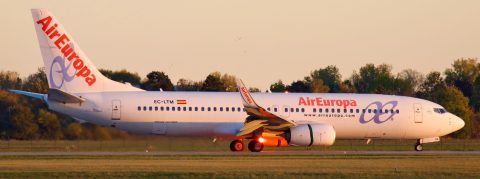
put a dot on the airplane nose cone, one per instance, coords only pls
(458, 123)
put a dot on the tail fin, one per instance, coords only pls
(67, 67)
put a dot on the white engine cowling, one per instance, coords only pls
(311, 134)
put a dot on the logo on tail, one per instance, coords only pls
(62, 43)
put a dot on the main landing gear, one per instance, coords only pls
(253, 146)
(418, 146)
(237, 146)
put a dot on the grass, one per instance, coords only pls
(160, 143)
(240, 166)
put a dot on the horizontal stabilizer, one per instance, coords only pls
(63, 97)
(29, 94)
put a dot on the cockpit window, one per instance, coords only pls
(440, 110)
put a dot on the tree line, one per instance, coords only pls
(457, 89)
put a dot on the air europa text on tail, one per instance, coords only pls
(61, 42)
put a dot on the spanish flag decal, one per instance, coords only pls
(181, 101)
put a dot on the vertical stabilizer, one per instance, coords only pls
(67, 67)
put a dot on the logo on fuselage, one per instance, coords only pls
(380, 113)
(318, 101)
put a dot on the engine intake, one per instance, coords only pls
(311, 134)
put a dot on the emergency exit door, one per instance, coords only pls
(418, 113)
(116, 109)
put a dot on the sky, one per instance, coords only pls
(258, 41)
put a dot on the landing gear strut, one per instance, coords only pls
(418, 146)
(237, 146)
(255, 146)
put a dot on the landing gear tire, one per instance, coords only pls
(237, 146)
(418, 147)
(255, 146)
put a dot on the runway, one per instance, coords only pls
(245, 153)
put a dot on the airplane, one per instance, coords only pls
(78, 89)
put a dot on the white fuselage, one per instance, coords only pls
(353, 116)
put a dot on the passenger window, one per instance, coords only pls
(156, 108)
(369, 111)
(268, 109)
(333, 110)
(184, 108)
(286, 109)
(314, 109)
(214, 108)
(351, 110)
(274, 109)
(150, 108)
(196, 108)
(357, 110)
(226, 109)
(296, 109)
(221, 108)
(326, 110)
(168, 108)
(161, 108)
(303, 109)
(238, 109)
(344, 110)
(139, 108)
(144, 108)
(233, 109)
(179, 108)
(173, 108)
(338, 110)
(375, 111)
(386, 111)
(320, 110)
(391, 111)
(208, 109)
(291, 109)
(189, 108)
(397, 111)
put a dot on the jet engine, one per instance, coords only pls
(311, 134)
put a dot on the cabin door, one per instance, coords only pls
(418, 113)
(116, 109)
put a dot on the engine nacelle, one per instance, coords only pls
(311, 134)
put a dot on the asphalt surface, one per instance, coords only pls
(227, 153)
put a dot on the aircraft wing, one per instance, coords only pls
(258, 117)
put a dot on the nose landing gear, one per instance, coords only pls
(418, 146)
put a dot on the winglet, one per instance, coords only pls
(246, 97)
